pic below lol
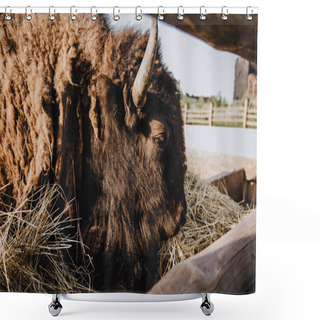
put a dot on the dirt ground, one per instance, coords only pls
(207, 164)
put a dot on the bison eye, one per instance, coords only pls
(160, 140)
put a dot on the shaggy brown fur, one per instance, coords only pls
(67, 116)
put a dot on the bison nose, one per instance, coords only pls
(185, 168)
(181, 215)
(183, 209)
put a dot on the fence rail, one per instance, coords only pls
(221, 116)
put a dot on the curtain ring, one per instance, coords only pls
(116, 17)
(160, 15)
(138, 16)
(28, 16)
(203, 13)
(249, 15)
(93, 15)
(6, 15)
(51, 16)
(180, 13)
(224, 13)
(73, 15)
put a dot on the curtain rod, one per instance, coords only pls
(132, 10)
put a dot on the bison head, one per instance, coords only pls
(138, 164)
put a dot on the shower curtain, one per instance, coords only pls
(128, 153)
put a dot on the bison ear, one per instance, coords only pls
(131, 116)
(117, 102)
(107, 93)
(101, 102)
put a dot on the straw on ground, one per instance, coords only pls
(210, 215)
(33, 240)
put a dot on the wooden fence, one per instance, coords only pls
(234, 116)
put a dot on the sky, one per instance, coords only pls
(201, 69)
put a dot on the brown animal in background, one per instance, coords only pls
(97, 112)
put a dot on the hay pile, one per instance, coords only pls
(32, 240)
(210, 215)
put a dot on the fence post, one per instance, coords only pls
(245, 115)
(211, 114)
(185, 113)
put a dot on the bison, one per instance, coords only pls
(97, 112)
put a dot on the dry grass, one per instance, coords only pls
(210, 214)
(33, 240)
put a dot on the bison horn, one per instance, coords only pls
(143, 78)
